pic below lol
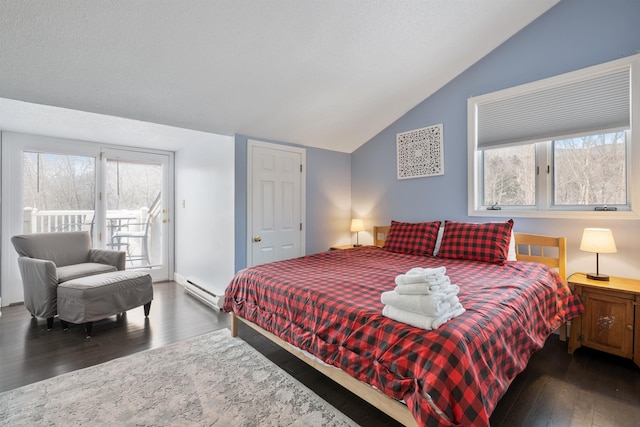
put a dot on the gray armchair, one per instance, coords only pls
(48, 259)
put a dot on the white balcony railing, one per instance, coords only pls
(51, 221)
(37, 221)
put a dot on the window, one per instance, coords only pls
(560, 147)
(510, 176)
(586, 173)
(58, 192)
(591, 171)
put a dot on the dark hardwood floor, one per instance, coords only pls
(587, 389)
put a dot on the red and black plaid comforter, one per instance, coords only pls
(329, 305)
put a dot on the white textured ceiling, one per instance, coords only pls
(322, 73)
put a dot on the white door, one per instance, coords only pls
(135, 205)
(275, 202)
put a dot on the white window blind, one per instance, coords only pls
(552, 112)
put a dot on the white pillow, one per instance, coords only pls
(511, 255)
(436, 249)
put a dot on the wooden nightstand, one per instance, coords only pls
(611, 321)
(342, 247)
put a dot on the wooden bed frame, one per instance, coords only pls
(375, 397)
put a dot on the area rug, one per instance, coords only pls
(213, 379)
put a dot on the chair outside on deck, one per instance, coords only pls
(122, 237)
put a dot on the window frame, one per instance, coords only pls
(544, 198)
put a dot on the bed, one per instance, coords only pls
(325, 309)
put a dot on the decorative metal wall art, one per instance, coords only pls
(420, 152)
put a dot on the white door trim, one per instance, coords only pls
(303, 191)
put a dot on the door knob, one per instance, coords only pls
(257, 239)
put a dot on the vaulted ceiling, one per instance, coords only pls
(321, 73)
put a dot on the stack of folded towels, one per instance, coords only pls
(423, 297)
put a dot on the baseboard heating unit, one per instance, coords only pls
(202, 294)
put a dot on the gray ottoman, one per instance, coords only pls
(91, 298)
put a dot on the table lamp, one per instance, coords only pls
(357, 225)
(600, 241)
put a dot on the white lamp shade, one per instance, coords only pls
(599, 240)
(357, 224)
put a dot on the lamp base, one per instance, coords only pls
(595, 276)
(356, 245)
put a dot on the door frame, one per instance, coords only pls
(11, 195)
(303, 191)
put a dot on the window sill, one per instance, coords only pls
(517, 213)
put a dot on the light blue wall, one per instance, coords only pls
(572, 35)
(328, 195)
(328, 199)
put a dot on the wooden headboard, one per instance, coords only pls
(380, 234)
(550, 251)
(557, 245)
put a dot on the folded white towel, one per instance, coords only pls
(404, 279)
(457, 310)
(428, 272)
(430, 305)
(413, 319)
(417, 289)
(426, 289)
(420, 320)
(410, 279)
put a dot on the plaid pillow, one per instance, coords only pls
(487, 242)
(418, 238)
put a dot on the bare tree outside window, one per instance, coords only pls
(59, 190)
(510, 176)
(591, 170)
(58, 181)
(65, 182)
(132, 185)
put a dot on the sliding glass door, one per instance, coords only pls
(120, 196)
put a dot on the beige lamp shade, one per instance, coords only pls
(598, 240)
(357, 224)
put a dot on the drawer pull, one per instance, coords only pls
(630, 327)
